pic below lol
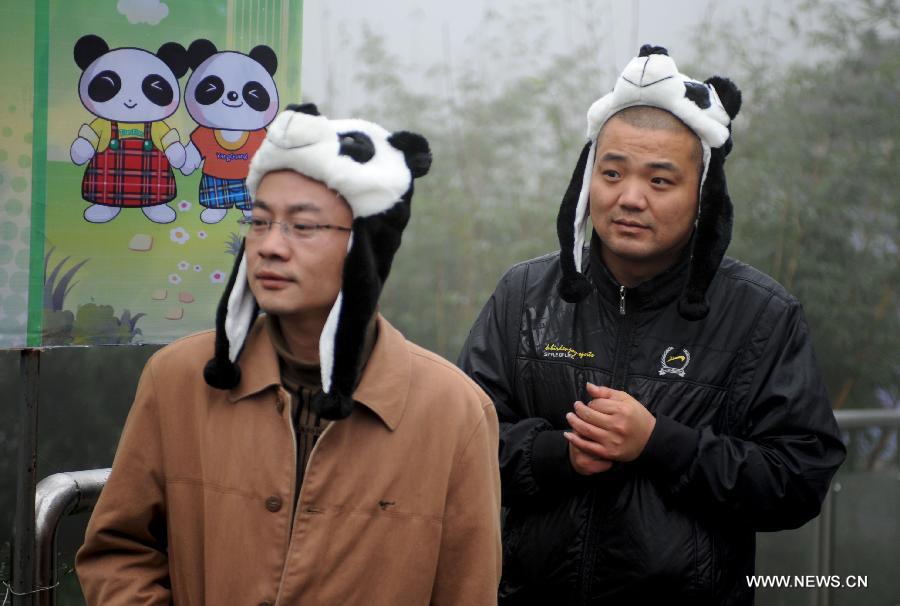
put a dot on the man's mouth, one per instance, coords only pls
(631, 224)
(271, 280)
(271, 275)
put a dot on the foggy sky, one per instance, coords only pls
(423, 33)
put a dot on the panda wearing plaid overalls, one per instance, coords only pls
(129, 148)
(232, 97)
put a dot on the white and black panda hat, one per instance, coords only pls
(707, 108)
(373, 170)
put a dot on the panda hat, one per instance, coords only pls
(373, 170)
(707, 108)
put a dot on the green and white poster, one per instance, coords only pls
(126, 129)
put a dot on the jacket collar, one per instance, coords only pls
(382, 388)
(654, 293)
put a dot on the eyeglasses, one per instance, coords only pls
(255, 228)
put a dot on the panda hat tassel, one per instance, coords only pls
(707, 108)
(373, 170)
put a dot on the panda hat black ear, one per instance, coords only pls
(266, 57)
(174, 55)
(729, 94)
(304, 108)
(648, 49)
(88, 48)
(199, 51)
(415, 149)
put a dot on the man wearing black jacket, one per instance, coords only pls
(659, 402)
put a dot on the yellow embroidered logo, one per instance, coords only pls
(674, 361)
(552, 350)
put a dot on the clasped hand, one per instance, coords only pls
(613, 426)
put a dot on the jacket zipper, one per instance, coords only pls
(312, 453)
(620, 370)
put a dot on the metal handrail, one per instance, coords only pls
(56, 496)
(63, 494)
(869, 417)
(846, 419)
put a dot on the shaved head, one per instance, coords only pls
(654, 118)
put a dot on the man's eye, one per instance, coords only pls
(257, 223)
(302, 230)
(610, 174)
(660, 181)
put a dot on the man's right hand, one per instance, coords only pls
(582, 462)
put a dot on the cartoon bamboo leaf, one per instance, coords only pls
(71, 286)
(50, 286)
(47, 259)
(134, 323)
(60, 292)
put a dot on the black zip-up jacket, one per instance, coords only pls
(745, 439)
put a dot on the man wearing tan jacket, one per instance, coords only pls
(324, 459)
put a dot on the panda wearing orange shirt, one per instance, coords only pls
(232, 97)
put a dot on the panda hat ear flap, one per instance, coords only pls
(571, 223)
(712, 235)
(88, 49)
(234, 316)
(715, 220)
(371, 249)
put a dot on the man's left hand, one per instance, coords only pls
(619, 425)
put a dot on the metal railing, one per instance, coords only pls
(69, 493)
(57, 496)
(847, 420)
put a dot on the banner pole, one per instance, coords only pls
(23, 554)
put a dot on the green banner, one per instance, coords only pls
(126, 129)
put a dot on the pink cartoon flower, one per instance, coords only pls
(217, 277)
(201, 234)
(184, 205)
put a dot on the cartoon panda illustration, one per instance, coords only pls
(232, 97)
(129, 146)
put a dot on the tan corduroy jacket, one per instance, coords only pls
(400, 504)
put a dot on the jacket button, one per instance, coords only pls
(273, 503)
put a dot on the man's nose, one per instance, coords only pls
(633, 195)
(274, 242)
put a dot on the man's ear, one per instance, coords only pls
(416, 151)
